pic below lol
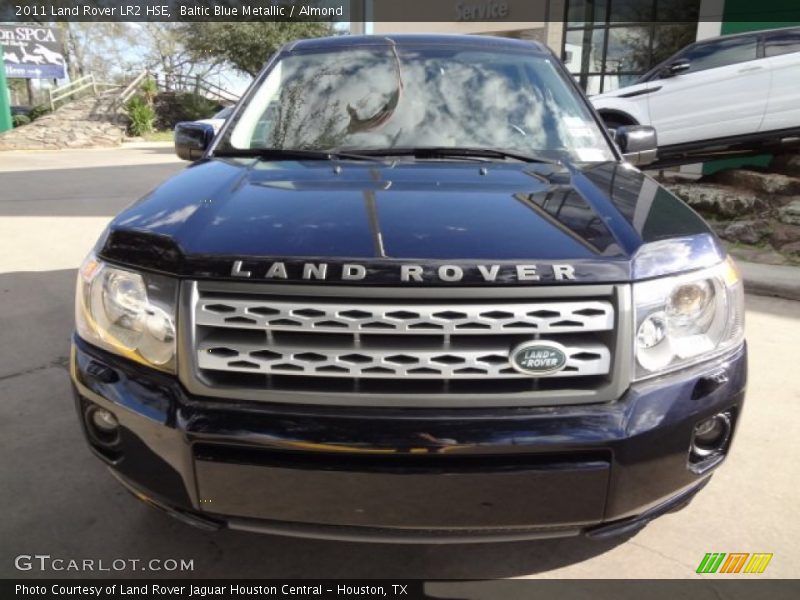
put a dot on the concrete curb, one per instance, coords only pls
(771, 280)
(144, 145)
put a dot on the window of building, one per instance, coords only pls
(611, 43)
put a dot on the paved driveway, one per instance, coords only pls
(59, 500)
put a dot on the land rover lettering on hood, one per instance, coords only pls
(411, 291)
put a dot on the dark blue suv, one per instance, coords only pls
(412, 291)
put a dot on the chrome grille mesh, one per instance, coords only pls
(392, 341)
(331, 317)
(382, 362)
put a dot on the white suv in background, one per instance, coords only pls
(736, 93)
(218, 120)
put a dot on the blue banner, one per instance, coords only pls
(35, 71)
(32, 52)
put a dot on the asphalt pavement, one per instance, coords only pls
(59, 500)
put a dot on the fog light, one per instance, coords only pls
(711, 435)
(101, 425)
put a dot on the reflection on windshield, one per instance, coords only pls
(384, 97)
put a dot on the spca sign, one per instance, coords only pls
(32, 52)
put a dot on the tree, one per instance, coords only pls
(18, 91)
(245, 46)
(98, 47)
(165, 53)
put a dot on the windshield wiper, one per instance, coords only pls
(456, 151)
(294, 154)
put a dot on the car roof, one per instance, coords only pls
(745, 34)
(756, 32)
(417, 39)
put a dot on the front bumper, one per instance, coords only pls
(408, 474)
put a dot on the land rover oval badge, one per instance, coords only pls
(539, 358)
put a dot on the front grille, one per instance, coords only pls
(276, 314)
(409, 341)
(252, 339)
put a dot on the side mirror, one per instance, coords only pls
(192, 139)
(639, 144)
(676, 68)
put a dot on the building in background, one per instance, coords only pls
(606, 44)
(521, 19)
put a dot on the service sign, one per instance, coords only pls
(32, 52)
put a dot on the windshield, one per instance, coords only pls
(384, 97)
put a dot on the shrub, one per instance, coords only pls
(172, 107)
(149, 90)
(38, 111)
(142, 117)
(196, 107)
(20, 120)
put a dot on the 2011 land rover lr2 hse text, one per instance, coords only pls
(412, 291)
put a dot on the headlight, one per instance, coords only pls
(686, 319)
(128, 313)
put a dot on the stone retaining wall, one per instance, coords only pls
(750, 207)
(90, 122)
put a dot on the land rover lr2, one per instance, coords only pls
(412, 291)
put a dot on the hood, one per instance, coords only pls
(426, 212)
